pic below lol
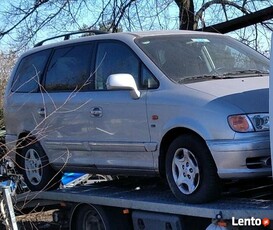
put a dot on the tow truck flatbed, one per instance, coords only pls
(153, 197)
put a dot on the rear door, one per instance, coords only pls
(68, 101)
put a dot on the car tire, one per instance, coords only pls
(37, 172)
(91, 217)
(190, 170)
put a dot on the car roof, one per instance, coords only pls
(119, 36)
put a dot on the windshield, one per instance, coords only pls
(202, 57)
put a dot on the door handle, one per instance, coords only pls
(42, 112)
(96, 112)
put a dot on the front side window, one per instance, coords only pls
(27, 77)
(114, 58)
(69, 69)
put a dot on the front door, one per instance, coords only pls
(120, 135)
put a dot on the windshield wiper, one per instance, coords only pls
(248, 72)
(195, 78)
(227, 75)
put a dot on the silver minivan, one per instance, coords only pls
(188, 106)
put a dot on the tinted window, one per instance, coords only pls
(114, 58)
(28, 75)
(69, 69)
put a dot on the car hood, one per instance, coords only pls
(249, 94)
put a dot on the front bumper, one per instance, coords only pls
(242, 157)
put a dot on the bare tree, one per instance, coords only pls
(7, 61)
(186, 14)
(24, 22)
(228, 16)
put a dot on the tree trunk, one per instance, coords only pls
(186, 14)
(241, 22)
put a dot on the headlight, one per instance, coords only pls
(260, 121)
(249, 123)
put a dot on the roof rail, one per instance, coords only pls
(67, 36)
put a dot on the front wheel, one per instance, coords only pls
(190, 170)
(36, 170)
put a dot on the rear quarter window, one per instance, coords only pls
(28, 74)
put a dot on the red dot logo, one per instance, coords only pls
(265, 222)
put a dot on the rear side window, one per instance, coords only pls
(69, 69)
(27, 77)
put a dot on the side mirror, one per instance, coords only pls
(123, 81)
